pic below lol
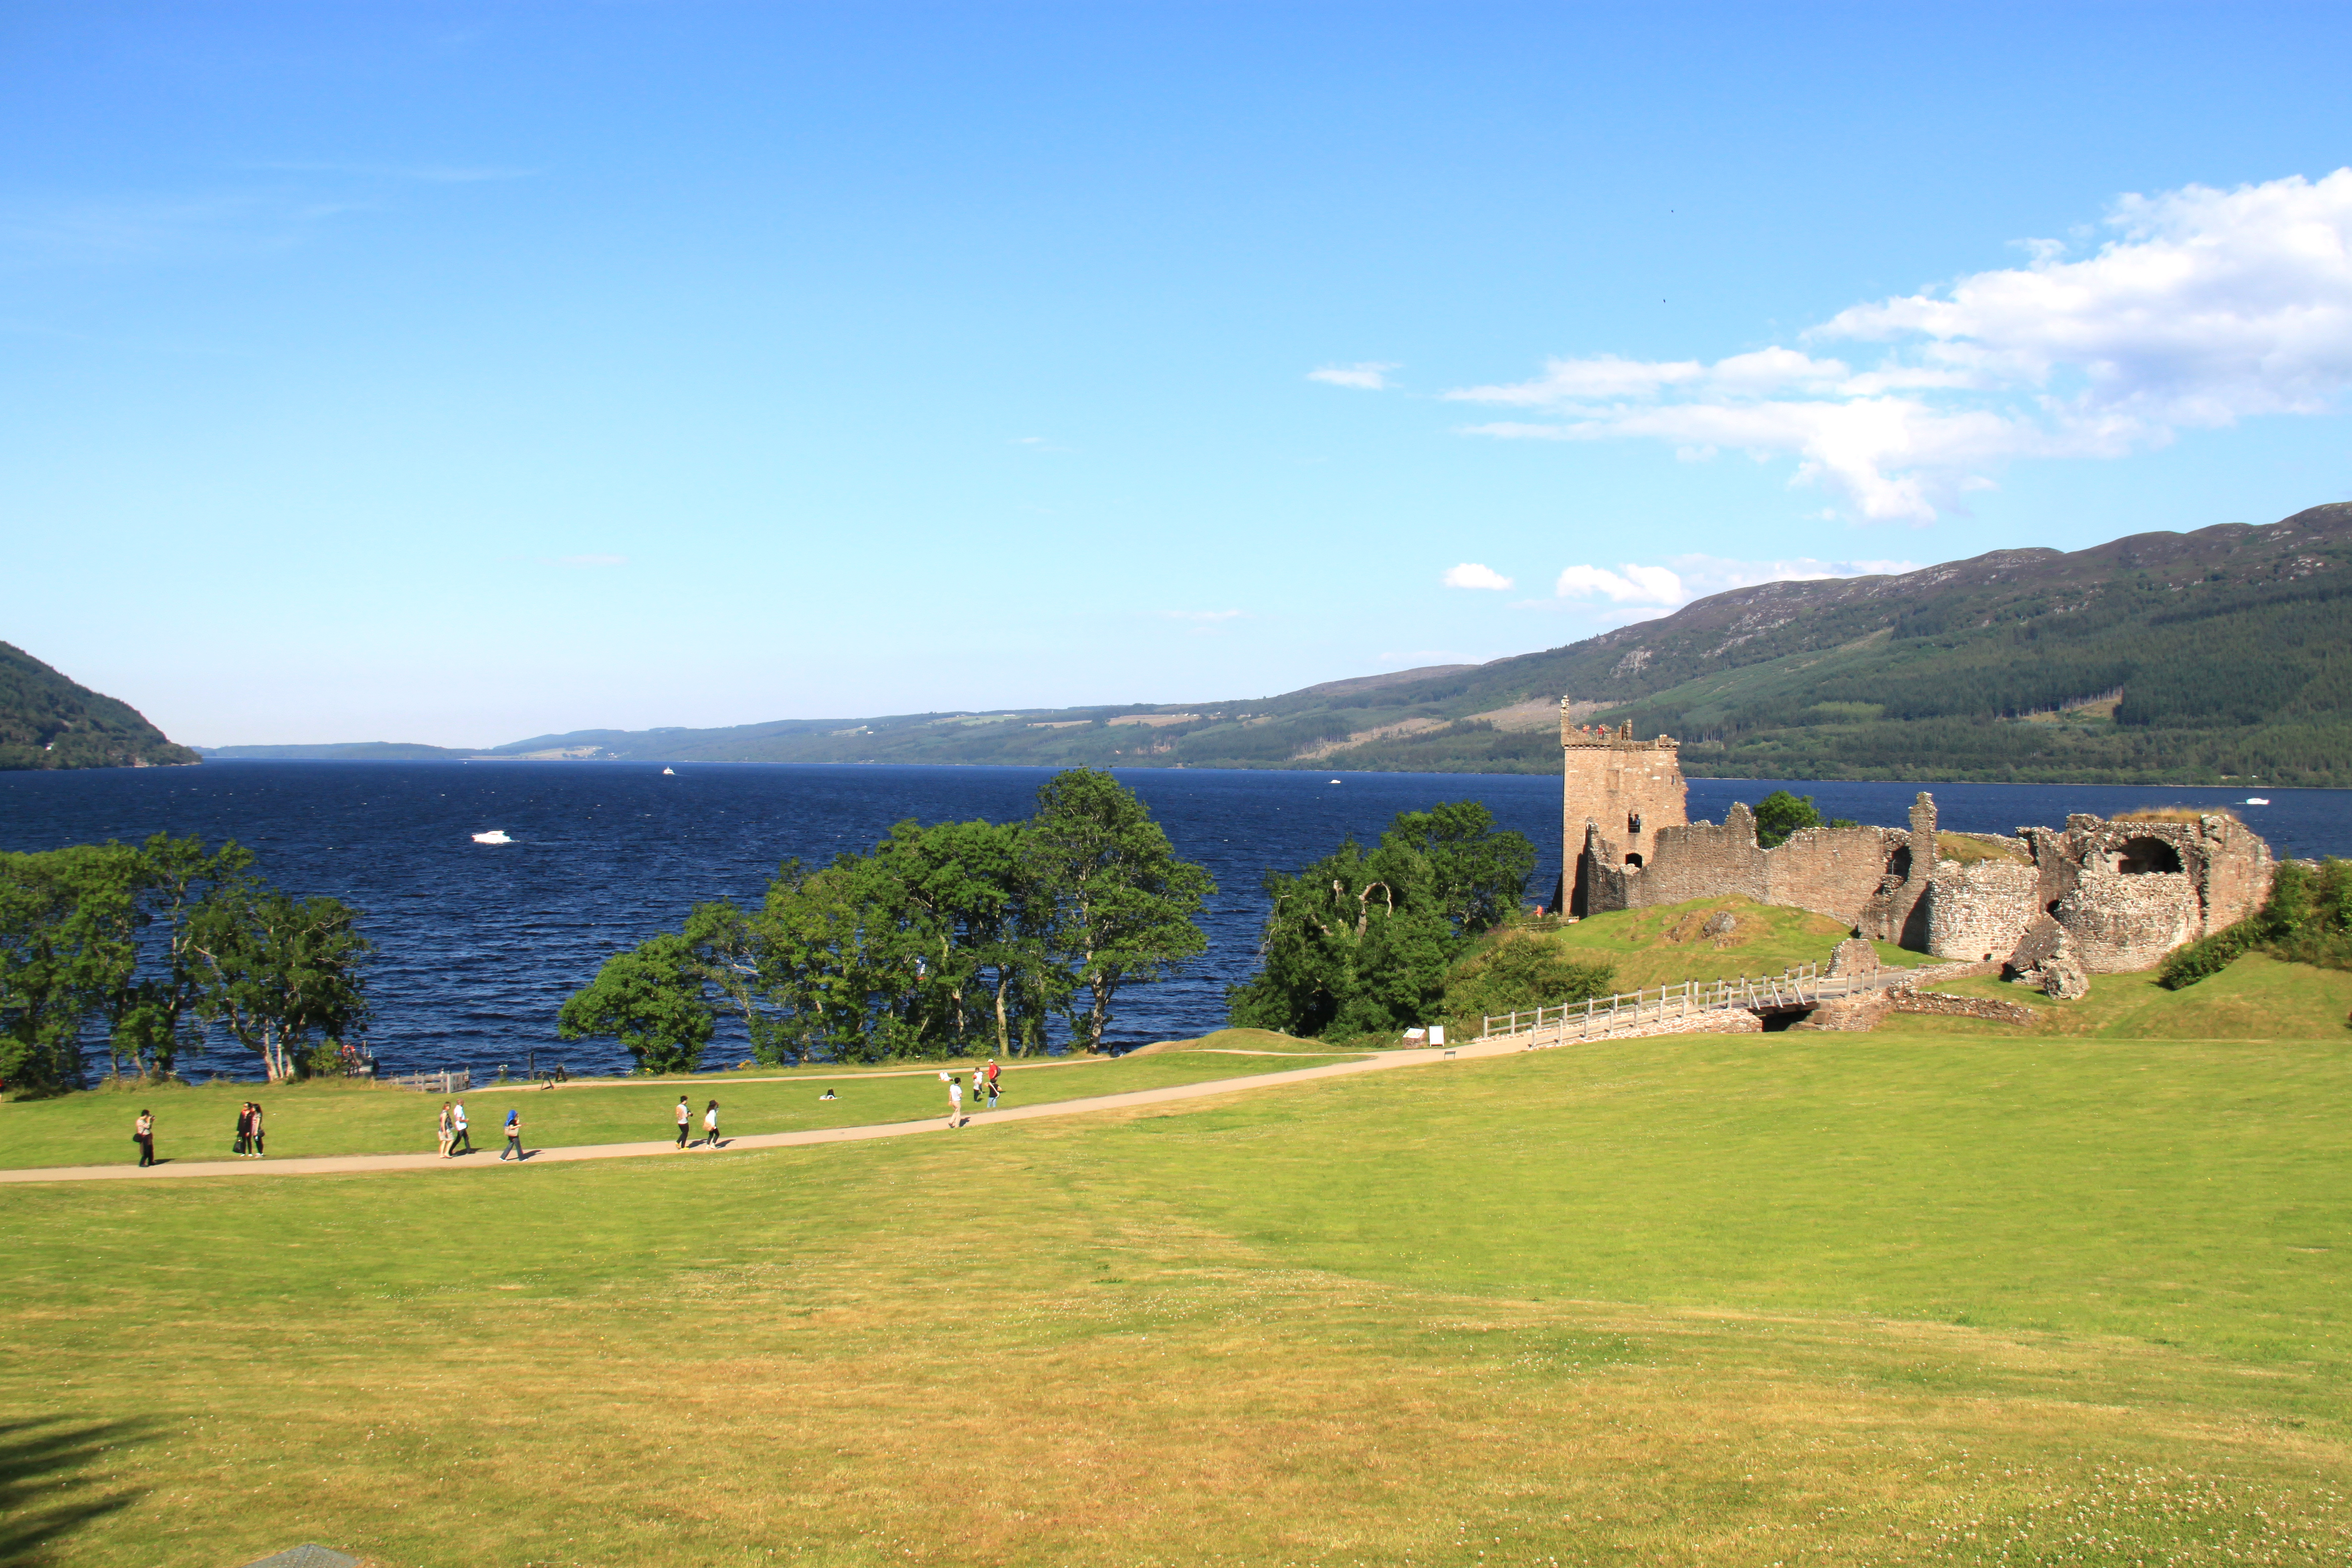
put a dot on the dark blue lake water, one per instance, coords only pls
(479, 945)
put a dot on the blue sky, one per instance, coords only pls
(457, 373)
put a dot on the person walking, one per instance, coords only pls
(955, 1101)
(445, 1131)
(244, 1127)
(514, 1135)
(685, 1121)
(142, 1132)
(255, 1121)
(710, 1126)
(460, 1132)
(992, 1083)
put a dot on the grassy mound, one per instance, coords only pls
(1668, 946)
(1731, 1301)
(1252, 1042)
(2255, 998)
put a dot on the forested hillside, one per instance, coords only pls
(49, 722)
(2210, 656)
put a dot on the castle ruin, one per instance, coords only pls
(2105, 896)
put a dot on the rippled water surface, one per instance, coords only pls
(479, 945)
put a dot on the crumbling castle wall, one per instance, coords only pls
(2121, 894)
(1980, 910)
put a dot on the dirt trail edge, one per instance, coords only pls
(978, 1125)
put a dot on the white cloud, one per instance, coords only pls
(1370, 376)
(1470, 574)
(1683, 578)
(2206, 307)
(1629, 584)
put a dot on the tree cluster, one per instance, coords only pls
(148, 951)
(1360, 941)
(946, 939)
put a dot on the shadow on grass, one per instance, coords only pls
(45, 1495)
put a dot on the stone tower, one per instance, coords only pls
(1626, 789)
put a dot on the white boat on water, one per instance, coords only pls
(495, 835)
(669, 773)
(2257, 800)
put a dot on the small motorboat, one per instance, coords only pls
(1335, 780)
(495, 835)
(2257, 800)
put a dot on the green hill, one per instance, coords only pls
(2210, 657)
(49, 721)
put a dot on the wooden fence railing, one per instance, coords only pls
(1600, 1016)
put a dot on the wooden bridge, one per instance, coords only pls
(1645, 1012)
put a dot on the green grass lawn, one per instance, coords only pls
(341, 1117)
(1668, 945)
(2257, 998)
(1825, 1299)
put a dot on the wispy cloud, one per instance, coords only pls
(1471, 574)
(1371, 376)
(423, 174)
(2207, 307)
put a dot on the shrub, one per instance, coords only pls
(1520, 973)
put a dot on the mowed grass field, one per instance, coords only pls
(1763, 1299)
(340, 1117)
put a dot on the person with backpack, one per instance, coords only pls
(142, 1132)
(514, 1135)
(685, 1121)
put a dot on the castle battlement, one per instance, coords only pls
(1622, 738)
(1618, 788)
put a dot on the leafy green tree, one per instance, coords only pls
(281, 972)
(651, 999)
(1360, 943)
(1125, 906)
(1354, 944)
(1781, 814)
(161, 1014)
(69, 927)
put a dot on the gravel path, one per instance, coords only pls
(172, 1170)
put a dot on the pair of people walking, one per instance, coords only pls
(452, 1129)
(248, 1131)
(685, 1114)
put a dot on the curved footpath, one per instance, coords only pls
(331, 1163)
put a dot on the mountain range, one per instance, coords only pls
(2210, 656)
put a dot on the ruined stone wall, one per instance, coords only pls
(1835, 871)
(1963, 1006)
(1980, 910)
(1697, 861)
(2117, 924)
